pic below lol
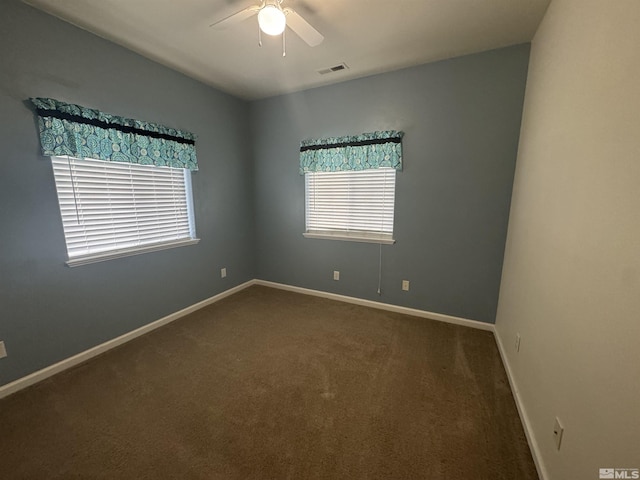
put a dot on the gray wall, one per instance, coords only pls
(49, 311)
(462, 121)
(571, 273)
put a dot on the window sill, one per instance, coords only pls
(128, 252)
(352, 237)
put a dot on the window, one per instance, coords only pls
(115, 209)
(351, 205)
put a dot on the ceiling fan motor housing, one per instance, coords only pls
(272, 20)
(271, 17)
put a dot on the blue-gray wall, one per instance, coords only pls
(462, 122)
(461, 119)
(49, 311)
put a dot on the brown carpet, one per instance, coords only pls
(269, 384)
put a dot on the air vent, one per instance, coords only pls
(335, 68)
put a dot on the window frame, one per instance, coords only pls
(350, 235)
(88, 258)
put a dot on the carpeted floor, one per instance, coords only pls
(269, 384)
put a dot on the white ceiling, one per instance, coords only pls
(370, 36)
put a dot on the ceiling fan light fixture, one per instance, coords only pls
(272, 20)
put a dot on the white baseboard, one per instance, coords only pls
(524, 418)
(535, 452)
(81, 357)
(381, 306)
(51, 370)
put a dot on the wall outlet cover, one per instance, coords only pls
(3, 350)
(223, 272)
(405, 285)
(336, 275)
(558, 430)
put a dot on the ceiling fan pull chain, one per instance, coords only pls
(284, 43)
(259, 35)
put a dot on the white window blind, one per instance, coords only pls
(121, 208)
(351, 205)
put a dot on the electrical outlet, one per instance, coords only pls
(336, 275)
(223, 272)
(405, 285)
(558, 430)
(517, 342)
(3, 350)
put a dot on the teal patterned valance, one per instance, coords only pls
(360, 152)
(67, 129)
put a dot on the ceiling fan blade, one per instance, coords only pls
(236, 17)
(302, 28)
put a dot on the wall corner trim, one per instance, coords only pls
(40, 375)
(381, 306)
(524, 418)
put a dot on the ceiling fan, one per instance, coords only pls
(273, 20)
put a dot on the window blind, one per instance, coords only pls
(351, 203)
(112, 206)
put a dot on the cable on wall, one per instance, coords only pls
(380, 271)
